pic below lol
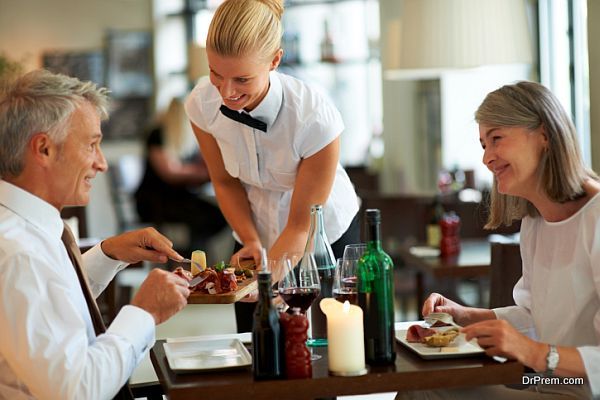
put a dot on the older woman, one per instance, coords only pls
(531, 147)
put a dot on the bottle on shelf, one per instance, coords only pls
(318, 245)
(327, 45)
(267, 336)
(450, 241)
(434, 231)
(376, 295)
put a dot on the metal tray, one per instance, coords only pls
(207, 355)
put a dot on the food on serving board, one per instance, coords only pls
(198, 261)
(220, 278)
(431, 337)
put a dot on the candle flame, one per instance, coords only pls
(346, 308)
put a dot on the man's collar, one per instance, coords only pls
(31, 208)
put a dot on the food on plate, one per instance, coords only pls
(416, 333)
(431, 337)
(198, 261)
(220, 278)
(441, 339)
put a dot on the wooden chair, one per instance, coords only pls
(506, 270)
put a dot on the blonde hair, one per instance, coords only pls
(561, 171)
(246, 27)
(179, 137)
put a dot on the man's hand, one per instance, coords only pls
(140, 245)
(162, 294)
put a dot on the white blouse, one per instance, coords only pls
(558, 296)
(300, 122)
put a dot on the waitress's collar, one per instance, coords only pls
(269, 107)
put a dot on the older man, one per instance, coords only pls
(53, 344)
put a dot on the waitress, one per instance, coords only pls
(271, 143)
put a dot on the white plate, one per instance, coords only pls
(459, 348)
(424, 251)
(207, 355)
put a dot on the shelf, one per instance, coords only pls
(299, 3)
(340, 63)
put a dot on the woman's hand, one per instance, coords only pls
(251, 250)
(438, 303)
(499, 338)
(462, 315)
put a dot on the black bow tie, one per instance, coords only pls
(244, 118)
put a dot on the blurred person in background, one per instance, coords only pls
(174, 174)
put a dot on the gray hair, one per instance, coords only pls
(40, 101)
(561, 171)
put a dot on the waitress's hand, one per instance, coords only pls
(251, 250)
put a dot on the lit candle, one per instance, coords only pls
(345, 337)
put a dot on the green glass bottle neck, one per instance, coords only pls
(373, 236)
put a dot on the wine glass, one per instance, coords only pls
(299, 292)
(344, 281)
(302, 291)
(354, 251)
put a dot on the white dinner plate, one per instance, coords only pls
(207, 355)
(459, 348)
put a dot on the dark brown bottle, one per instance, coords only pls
(267, 336)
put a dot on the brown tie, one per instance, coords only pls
(99, 327)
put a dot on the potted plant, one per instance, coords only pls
(8, 67)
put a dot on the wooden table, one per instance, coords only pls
(473, 261)
(408, 373)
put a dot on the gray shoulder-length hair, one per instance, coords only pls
(561, 171)
(40, 101)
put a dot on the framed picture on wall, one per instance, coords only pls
(85, 65)
(128, 118)
(129, 63)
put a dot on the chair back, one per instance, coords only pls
(125, 176)
(506, 270)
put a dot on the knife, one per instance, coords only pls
(198, 279)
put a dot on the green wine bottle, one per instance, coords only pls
(376, 295)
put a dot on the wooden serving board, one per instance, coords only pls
(244, 287)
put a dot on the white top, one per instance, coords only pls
(300, 122)
(558, 297)
(48, 348)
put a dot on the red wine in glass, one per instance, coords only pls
(346, 294)
(301, 298)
